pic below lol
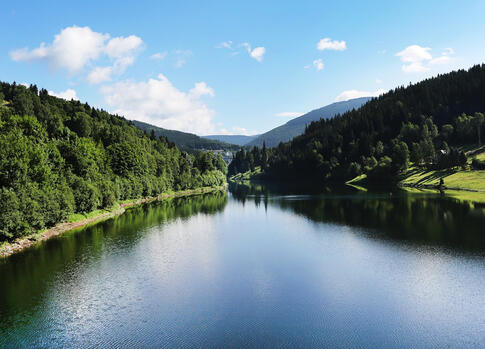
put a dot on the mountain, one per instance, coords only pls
(186, 141)
(232, 139)
(429, 124)
(296, 127)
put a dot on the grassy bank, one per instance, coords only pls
(455, 178)
(77, 221)
(249, 175)
(464, 184)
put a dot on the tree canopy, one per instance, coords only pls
(419, 123)
(60, 157)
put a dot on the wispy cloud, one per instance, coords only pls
(257, 53)
(226, 44)
(159, 55)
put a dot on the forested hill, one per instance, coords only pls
(62, 157)
(186, 141)
(423, 123)
(296, 126)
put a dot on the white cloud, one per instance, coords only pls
(418, 59)
(76, 48)
(444, 59)
(351, 94)
(288, 114)
(318, 64)
(378, 81)
(100, 74)
(121, 47)
(158, 102)
(256, 53)
(67, 94)
(201, 89)
(416, 67)
(71, 49)
(415, 53)
(159, 55)
(328, 44)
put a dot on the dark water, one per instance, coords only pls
(257, 267)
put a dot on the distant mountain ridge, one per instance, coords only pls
(232, 139)
(296, 127)
(185, 141)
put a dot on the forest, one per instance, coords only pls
(427, 123)
(61, 157)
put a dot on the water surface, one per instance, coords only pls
(257, 267)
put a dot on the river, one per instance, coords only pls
(257, 267)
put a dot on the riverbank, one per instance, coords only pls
(20, 244)
(462, 184)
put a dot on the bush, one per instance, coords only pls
(86, 196)
(11, 223)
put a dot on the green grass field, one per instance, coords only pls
(247, 175)
(453, 178)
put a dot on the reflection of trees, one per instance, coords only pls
(429, 219)
(26, 275)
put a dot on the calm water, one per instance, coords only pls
(257, 267)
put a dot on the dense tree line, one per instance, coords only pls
(61, 157)
(422, 123)
(247, 160)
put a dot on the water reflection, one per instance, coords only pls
(423, 218)
(254, 269)
(27, 276)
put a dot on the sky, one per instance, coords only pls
(227, 67)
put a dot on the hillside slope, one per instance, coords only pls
(296, 127)
(429, 124)
(185, 141)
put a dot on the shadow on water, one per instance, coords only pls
(26, 276)
(431, 219)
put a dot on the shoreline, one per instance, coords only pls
(25, 242)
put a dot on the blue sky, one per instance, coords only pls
(233, 67)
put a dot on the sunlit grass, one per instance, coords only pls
(454, 178)
(247, 175)
(76, 217)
